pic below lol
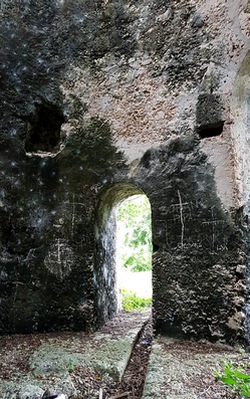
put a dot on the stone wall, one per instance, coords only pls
(105, 98)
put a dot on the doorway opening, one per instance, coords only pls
(120, 216)
(134, 253)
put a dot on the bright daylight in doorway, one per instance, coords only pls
(134, 252)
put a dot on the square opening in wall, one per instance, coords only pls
(211, 130)
(44, 129)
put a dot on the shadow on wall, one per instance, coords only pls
(105, 278)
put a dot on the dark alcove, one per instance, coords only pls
(44, 128)
(210, 130)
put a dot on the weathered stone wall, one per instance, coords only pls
(141, 93)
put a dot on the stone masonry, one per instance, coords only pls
(104, 99)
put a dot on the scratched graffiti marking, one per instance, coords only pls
(60, 259)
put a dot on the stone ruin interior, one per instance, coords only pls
(102, 100)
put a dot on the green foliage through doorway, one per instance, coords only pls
(134, 249)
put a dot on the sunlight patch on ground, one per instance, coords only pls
(138, 282)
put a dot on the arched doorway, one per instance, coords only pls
(106, 289)
(134, 252)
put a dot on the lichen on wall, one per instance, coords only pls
(196, 276)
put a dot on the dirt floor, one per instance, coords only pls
(104, 364)
(132, 381)
(176, 369)
(186, 369)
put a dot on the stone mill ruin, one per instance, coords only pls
(104, 99)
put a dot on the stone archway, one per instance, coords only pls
(104, 274)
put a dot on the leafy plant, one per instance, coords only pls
(131, 302)
(134, 226)
(71, 365)
(234, 378)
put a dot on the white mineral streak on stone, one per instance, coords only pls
(45, 154)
